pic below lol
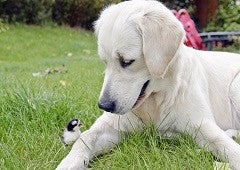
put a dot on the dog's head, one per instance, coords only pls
(137, 40)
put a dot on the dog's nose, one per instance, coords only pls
(108, 106)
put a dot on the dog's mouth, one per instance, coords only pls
(142, 93)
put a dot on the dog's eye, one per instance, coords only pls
(125, 63)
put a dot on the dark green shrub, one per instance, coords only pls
(183, 4)
(227, 17)
(177, 5)
(27, 11)
(78, 12)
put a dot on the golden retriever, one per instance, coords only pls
(152, 77)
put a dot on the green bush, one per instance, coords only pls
(177, 5)
(26, 11)
(78, 12)
(227, 17)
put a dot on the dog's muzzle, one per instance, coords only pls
(108, 106)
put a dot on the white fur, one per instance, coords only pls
(190, 91)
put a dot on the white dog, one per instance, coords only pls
(152, 77)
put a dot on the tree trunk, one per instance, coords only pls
(205, 10)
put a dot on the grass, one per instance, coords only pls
(33, 110)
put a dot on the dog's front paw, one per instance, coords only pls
(73, 163)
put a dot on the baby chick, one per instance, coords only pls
(72, 132)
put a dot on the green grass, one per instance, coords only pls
(33, 111)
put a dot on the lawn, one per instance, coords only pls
(34, 110)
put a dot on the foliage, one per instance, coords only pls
(83, 12)
(177, 5)
(235, 48)
(72, 12)
(227, 17)
(78, 12)
(26, 11)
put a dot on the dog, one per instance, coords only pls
(152, 77)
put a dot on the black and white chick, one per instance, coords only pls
(72, 132)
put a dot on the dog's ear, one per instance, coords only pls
(162, 35)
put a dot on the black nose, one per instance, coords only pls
(108, 106)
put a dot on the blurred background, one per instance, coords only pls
(209, 15)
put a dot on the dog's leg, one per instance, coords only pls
(216, 140)
(104, 134)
